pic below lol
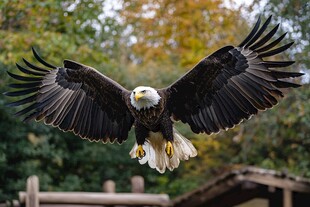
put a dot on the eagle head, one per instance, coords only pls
(144, 97)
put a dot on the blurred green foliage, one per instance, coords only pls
(135, 49)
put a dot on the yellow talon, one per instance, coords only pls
(169, 149)
(140, 153)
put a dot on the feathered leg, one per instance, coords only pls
(141, 134)
(167, 131)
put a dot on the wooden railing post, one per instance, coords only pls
(108, 186)
(137, 184)
(32, 198)
(287, 198)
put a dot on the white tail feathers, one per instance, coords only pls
(155, 153)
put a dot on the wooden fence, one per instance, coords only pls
(34, 198)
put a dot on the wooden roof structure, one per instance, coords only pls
(239, 186)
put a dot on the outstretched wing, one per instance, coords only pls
(73, 98)
(232, 84)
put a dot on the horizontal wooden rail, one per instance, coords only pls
(100, 198)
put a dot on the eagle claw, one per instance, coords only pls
(169, 149)
(140, 153)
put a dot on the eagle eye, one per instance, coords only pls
(143, 91)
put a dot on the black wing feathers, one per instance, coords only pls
(74, 98)
(259, 33)
(232, 84)
(41, 60)
(251, 34)
(276, 51)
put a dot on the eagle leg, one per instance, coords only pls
(141, 134)
(140, 153)
(167, 131)
(169, 149)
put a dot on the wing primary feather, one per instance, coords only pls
(62, 96)
(120, 131)
(258, 90)
(64, 101)
(277, 64)
(197, 121)
(259, 33)
(29, 72)
(248, 96)
(50, 109)
(233, 105)
(25, 85)
(111, 137)
(285, 84)
(257, 66)
(48, 88)
(23, 78)
(93, 121)
(229, 109)
(34, 67)
(49, 94)
(236, 99)
(31, 116)
(49, 118)
(224, 112)
(254, 93)
(258, 81)
(265, 39)
(23, 101)
(216, 123)
(113, 132)
(210, 127)
(204, 120)
(109, 128)
(67, 108)
(87, 122)
(22, 92)
(252, 33)
(262, 82)
(82, 116)
(89, 118)
(123, 130)
(39, 115)
(207, 118)
(221, 118)
(126, 127)
(261, 74)
(66, 121)
(119, 128)
(41, 60)
(50, 100)
(26, 110)
(104, 126)
(270, 45)
(275, 51)
(201, 119)
(84, 121)
(282, 74)
(238, 94)
(73, 115)
(100, 122)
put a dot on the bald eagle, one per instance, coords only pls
(222, 90)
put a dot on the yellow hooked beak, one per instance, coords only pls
(138, 95)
